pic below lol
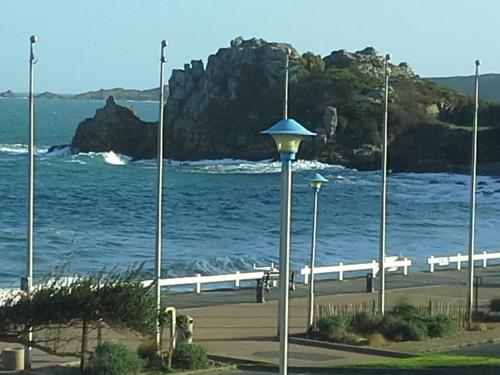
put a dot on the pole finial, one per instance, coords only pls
(164, 45)
(33, 39)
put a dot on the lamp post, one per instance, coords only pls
(27, 282)
(381, 262)
(316, 183)
(287, 134)
(472, 230)
(159, 206)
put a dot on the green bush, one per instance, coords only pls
(333, 327)
(399, 328)
(366, 323)
(148, 351)
(114, 359)
(441, 325)
(190, 356)
(495, 304)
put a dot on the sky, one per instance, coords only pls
(90, 44)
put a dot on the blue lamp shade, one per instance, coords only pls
(317, 181)
(288, 134)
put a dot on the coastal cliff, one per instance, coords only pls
(217, 111)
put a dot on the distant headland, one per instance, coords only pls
(118, 93)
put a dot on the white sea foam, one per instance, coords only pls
(115, 159)
(237, 166)
(19, 149)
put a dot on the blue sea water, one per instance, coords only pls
(97, 210)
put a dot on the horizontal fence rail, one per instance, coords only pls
(198, 280)
(391, 264)
(459, 259)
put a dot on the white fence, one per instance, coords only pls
(391, 263)
(198, 280)
(459, 259)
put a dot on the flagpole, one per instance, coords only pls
(159, 207)
(472, 231)
(27, 281)
(382, 249)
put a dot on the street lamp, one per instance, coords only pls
(27, 281)
(287, 134)
(159, 206)
(316, 183)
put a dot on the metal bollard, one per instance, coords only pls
(369, 283)
(478, 281)
(260, 291)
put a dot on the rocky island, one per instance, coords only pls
(217, 111)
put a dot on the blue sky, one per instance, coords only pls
(92, 44)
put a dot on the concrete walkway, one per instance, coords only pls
(232, 326)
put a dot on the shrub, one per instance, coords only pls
(148, 351)
(495, 304)
(366, 323)
(441, 325)
(190, 356)
(114, 359)
(399, 328)
(333, 327)
(406, 310)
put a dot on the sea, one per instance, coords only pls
(96, 211)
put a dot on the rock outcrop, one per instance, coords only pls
(116, 128)
(217, 111)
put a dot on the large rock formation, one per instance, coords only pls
(218, 112)
(116, 128)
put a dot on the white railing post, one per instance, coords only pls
(405, 267)
(198, 283)
(431, 263)
(374, 268)
(341, 272)
(237, 280)
(306, 274)
(484, 259)
(459, 261)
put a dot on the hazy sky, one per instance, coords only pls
(92, 44)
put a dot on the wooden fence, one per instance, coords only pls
(455, 309)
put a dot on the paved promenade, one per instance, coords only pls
(232, 326)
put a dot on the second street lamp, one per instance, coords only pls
(316, 182)
(287, 134)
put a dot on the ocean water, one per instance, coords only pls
(97, 210)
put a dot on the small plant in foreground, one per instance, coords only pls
(441, 325)
(114, 359)
(333, 327)
(148, 352)
(190, 357)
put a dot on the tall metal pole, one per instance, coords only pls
(310, 311)
(285, 100)
(28, 282)
(381, 295)
(285, 116)
(472, 232)
(159, 206)
(286, 185)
